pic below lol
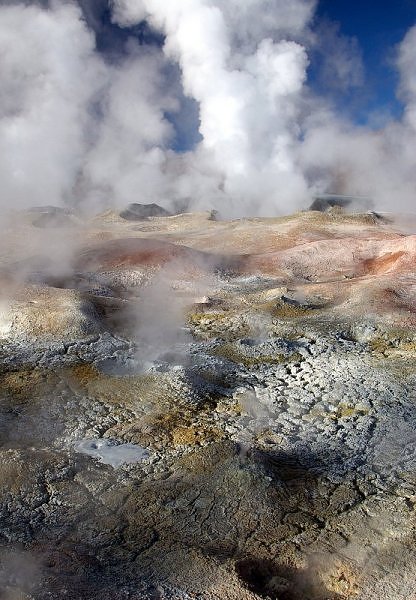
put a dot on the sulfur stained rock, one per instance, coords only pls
(275, 421)
(40, 312)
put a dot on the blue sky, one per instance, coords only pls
(378, 26)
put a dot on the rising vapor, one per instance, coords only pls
(79, 126)
(249, 90)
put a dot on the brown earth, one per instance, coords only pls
(278, 409)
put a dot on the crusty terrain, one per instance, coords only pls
(267, 368)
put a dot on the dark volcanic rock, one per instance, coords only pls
(51, 216)
(53, 220)
(326, 202)
(137, 212)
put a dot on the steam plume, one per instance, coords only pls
(81, 125)
(248, 88)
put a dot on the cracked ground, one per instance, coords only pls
(271, 382)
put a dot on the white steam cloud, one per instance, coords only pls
(374, 163)
(50, 77)
(79, 127)
(248, 88)
(126, 160)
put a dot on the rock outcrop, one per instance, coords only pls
(138, 212)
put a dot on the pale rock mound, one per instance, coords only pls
(45, 313)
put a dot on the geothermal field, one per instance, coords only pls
(207, 300)
(195, 408)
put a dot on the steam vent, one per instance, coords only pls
(196, 408)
